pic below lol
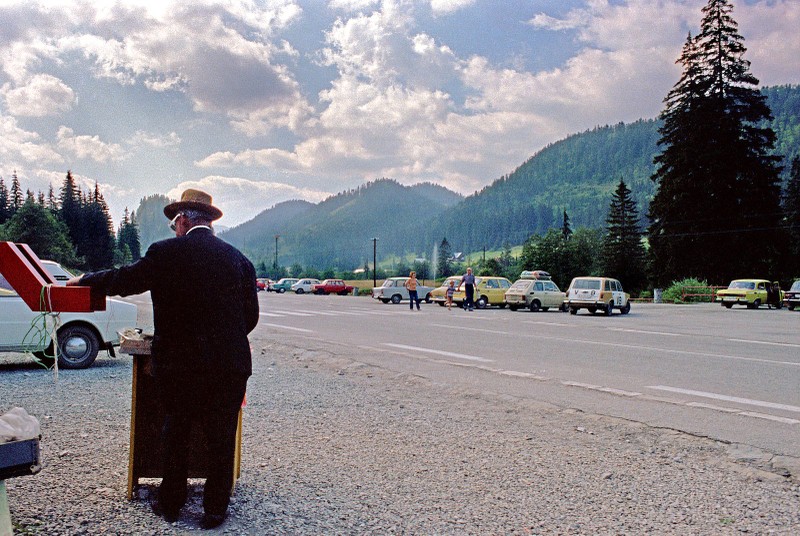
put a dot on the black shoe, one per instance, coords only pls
(211, 521)
(170, 515)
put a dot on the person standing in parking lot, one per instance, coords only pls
(204, 305)
(468, 280)
(411, 285)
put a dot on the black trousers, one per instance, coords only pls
(213, 402)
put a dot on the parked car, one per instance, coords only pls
(535, 291)
(332, 286)
(304, 285)
(283, 284)
(439, 294)
(597, 293)
(80, 335)
(489, 290)
(393, 291)
(791, 298)
(751, 293)
(262, 283)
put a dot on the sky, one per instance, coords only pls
(262, 101)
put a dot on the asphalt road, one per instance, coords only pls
(731, 375)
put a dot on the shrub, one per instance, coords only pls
(675, 291)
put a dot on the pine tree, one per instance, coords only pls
(17, 198)
(128, 236)
(623, 252)
(791, 209)
(718, 187)
(566, 230)
(42, 231)
(5, 213)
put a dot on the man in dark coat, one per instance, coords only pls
(204, 305)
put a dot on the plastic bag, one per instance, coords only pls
(17, 425)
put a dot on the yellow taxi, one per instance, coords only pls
(752, 293)
(439, 294)
(489, 290)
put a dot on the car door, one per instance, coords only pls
(551, 295)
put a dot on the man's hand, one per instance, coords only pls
(74, 282)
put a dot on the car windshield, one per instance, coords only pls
(586, 284)
(522, 284)
(388, 283)
(796, 286)
(746, 285)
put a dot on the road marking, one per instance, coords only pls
(790, 345)
(439, 352)
(784, 420)
(321, 313)
(549, 323)
(273, 315)
(287, 327)
(736, 399)
(448, 326)
(647, 332)
(292, 313)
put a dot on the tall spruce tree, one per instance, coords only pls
(17, 198)
(444, 264)
(5, 213)
(128, 235)
(791, 209)
(623, 251)
(566, 229)
(715, 214)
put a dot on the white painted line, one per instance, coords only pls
(312, 313)
(647, 332)
(273, 315)
(559, 324)
(292, 313)
(482, 330)
(715, 396)
(790, 345)
(712, 406)
(517, 374)
(287, 327)
(439, 352)
(579, 384)
(620, 392)
(784, 420)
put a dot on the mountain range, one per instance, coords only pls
(577, 174)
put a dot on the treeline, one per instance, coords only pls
(72, 227)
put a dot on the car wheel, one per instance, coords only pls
(727, 305)
(441, 303)
(513, 307)
(790, 307)
(573, 310)
(77, 347)
(428, 298)
(627, 309)
(299, 291)
(563, 308)
(396, 299)
(592, 310)
(501, 305)
(609, 308)
(385, 300)
(757, 303)
(343, 293)
(536, 305)
(281, 290)
(482, 302)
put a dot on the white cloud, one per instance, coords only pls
(89, 147)
(42, 95)
(148, 139)
(445, 7)
(24, 147)
(241, 199)
(352, 5)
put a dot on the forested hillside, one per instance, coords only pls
(338, 232)
(579, 174)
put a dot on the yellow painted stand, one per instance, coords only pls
(144, 459)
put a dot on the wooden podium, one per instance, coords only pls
(147, 417)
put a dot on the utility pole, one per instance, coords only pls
(374, 262)
(276, 255)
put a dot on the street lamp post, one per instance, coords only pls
(276, 254)
(374, 262)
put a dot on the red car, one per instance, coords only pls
(262, 284)
(332, 286)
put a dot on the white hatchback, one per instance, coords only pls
(80, 335)
(304, 285)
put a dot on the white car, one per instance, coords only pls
(304, 285)
(80, 335)
(393, 290)
(597, 294)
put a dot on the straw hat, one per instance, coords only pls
(193, 200)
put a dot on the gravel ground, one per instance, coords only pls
(332, 446)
